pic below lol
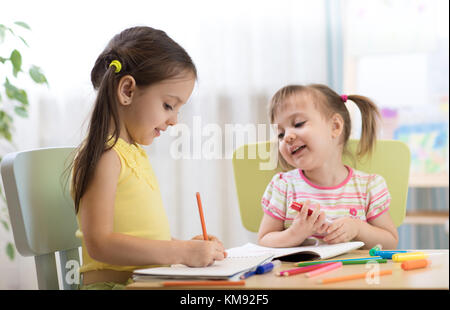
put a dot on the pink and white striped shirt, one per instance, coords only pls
(360, 195)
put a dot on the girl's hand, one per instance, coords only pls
(342, 230)
(202, 253)
(305, 225)
(210, 238)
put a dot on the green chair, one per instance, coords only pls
(42, 212)
(390, 159)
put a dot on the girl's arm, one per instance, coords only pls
(105, 245)
(380, 230)
(272, 233)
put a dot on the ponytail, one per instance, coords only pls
(105, 111)
(369, 117)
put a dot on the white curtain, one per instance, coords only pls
(244, 52)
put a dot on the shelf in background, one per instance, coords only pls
(428, 180)
(426, 217)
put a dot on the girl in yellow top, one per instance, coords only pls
(143, 78)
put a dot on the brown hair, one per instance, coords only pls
(149, 56)
(329, 103)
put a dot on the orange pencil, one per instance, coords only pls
(202, 219)
(203, 283)
(351, 277)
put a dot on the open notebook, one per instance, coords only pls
(244, 258)
(232, 265)
(301, 253)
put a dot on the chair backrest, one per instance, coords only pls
(390, 159)
(42, 212)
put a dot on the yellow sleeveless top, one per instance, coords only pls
(138, 208)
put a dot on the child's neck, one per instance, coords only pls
(329, 175)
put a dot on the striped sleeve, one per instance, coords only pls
(274, 199)
(378, 197)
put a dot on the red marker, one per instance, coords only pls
(298, 207)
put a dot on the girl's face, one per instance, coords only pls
(152, 109)
(306, 138)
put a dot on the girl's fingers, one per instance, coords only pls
(304, 211)
(333, 226)
(334, 237)
(316, 213)
(340, 238)
(213, 238)
(322, 228)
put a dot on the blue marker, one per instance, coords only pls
(388, 254)
(261, 269)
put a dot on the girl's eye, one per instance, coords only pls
(168, 107)
(280, 135)
(297, 125)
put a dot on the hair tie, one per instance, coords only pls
(117, 64)
(344, 98)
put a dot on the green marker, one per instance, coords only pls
(348, 261)
(373, 250)
(377, 260)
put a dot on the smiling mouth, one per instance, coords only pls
(298, 149)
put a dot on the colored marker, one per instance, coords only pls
(297, 206)
(415, 264)
(401, 257)
(261, 269)
(388, 254)
(348, 260)
(267, 267)
(360, 262)
(352, 277)
(435, 259)
(324, 269)
(247, 274)
(202, 283)
(372, 251)
(294, 271)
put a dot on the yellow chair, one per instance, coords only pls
(390, 159)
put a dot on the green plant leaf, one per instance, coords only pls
(15, 93)
(16, 59)
(37, 75)
(23, 40)
(6, 133)
(2, 60)
(21, 111)
(10, 250)
(23, 24)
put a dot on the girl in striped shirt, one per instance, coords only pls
(313, 127)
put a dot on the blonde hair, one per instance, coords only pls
(329, 103)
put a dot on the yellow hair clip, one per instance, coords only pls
(117, 64)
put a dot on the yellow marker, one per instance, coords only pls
(401, 257)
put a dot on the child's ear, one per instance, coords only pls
(126, 89)
(337, 125)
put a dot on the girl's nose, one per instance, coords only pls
(289, 136)
(173, 120)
